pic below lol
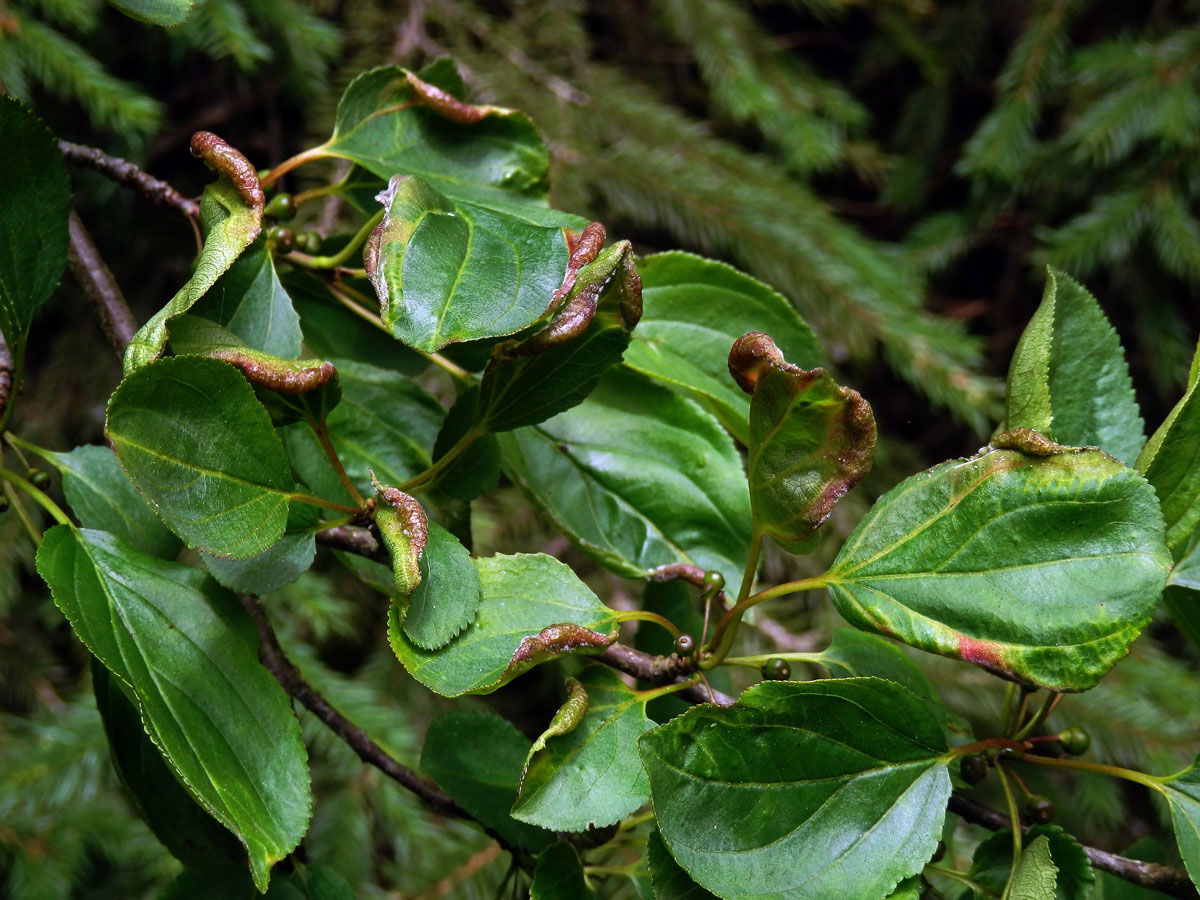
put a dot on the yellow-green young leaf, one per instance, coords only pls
(1035, 874)
(529, 381)
(1038, 562)
(532, 608)
(34, 207)
(668, 878)
(231, 218)
(189, 653)
(638, 477)
(565, 720)
(475, 757)
(694, 309)
(810, 440)
(202, 450)
(558, 875)
(801, 791)
(1069, 379)
(448, 271)
(591, 774)
(991, 865)
(1183, 794)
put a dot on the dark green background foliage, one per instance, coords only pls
(898, 172)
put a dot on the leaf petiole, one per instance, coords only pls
(293, 162)
(644, 615)
(325, 504)
(1010, 801)
(39, 497)
(353, 246)
(444, 460)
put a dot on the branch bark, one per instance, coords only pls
(126, 173)
(1166, 879)
(97, 281)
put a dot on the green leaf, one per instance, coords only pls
(801, 790)
(476, 757)
(230, 882)
(202, 450)
(230, 225)
(1035, 875)
(384, 422)
(528, 382)
(450, 271)
(532, 608)
(179, 823)
(190, 655)
(251, 302)
(991, 865)
(1038, 562)
(694, 309)
(391, 122)
(908, 889)
(277, 566)
(670, 881)
(156, 12)
(638, 477)
(102, 497)
(34, 208)
(1169, 463)
(1068, 378)
(810, 441)
(591, 775)
(1183, 794)
(446, 600)
(558, 875)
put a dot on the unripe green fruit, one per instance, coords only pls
(776, 669)
(714, 580)
(39, 478)
(1040, 809)
(1075, 740)
(283, 238)
(309, 242)
(685, 644)
(281, 207)
(974, 769)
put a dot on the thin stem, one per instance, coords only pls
(761, 659)
(292, 163)
(655, 693)
(316, 193)
(443, 461)
(332, 262)
(1150, 781)
(644, 615)
(40, 498)
(636, 820)
(726, 629)
(789, 587)
(325, 504)
(1011, 802)
(960, 877)
(1020, 714)
(322, 433)
(1039, 717)
(14, 500)
(93, 275)
(1006, 710)
(999, 743)
(126, 173)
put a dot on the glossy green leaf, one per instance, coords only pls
(991, 865)
(202, 450)
(179, 823)
(1171, 462)
(532, 608)
(251, 302)
(156, 12)
(230, 882)
(391, 122)
(801, 790)
(554, 369)
(908, 889)
(694, 309)
(1069, 379)
(384, 422)
(811, 440)
(669, 879)
(450, 271)
(102, 497)
(590, 775)
(476, 758)
(34, 207)
(1037, 562)
(1183, 794)
(446, 600)
(638, 477)
(558, 875)
(190, 654)
(277, 566)
(230, 225)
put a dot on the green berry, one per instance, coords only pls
(39, 478)
(1040, 809)
(1075, 740)
(776, 669)
(973, 769)
(685, 644)
(283, 238)
(714, 580)
(281, 207)
(309, 242)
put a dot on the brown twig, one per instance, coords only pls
(98, 283)
(289, 677)
(1166, 879)
(660, 670)
(126, 173)
(354, 539)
